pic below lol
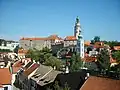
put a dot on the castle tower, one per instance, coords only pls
(79, 37)
(77, 28)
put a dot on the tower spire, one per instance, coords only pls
(80, 40)
(77, 28)
(77, 20)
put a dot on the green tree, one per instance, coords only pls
(57, 87)
(5, 43)
(5, 50)
(33, 54)
(103, 60)
(75, 63)
(66, 87)
(112, 43)
(44, 56)
(16, 49)
(53, 61)
(116, 56)
(92, 41)
(96, 39)
(1, 40)
(46, 50)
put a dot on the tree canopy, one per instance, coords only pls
(116, 56)
(75, 63)
(104, 60)
(112, 43)
(96, 39)
(44, 56)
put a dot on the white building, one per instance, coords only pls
(79, 37)
(9, 45)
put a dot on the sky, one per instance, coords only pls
(41, 18)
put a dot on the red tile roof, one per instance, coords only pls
(22, 51)
(5, 76)
(98, 46)
(51, 37)
(100, 83)
(99, 43)
(116, 47)
(33, 38)
(31, 69)
(90, 59)
(1, 86)
(70, 38)
(87, 43)
(15, 69)
(18, 64)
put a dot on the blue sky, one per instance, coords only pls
(37, 18)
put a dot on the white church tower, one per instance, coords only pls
(79, 37)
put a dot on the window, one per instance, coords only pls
(5, 88)
(33, 83)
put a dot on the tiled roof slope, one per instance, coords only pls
(31, 69)
(100, 83)
(5, 76)
(41, 71)
(51, 37)
(70, 38)
(116, 47)
(49, 78)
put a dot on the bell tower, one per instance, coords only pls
(79, 37)
(77, 28)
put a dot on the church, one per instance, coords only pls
(56, 43)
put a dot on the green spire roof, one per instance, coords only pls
(77, 19)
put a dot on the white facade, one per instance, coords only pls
(9, 87)
(10, 46)
(81, 48)
(79, 37)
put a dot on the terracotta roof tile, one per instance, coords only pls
(5, 76)
(22, 51)
(87, 43)
(70, 38)
(116, 47)
(90, 59)
(18, 64)
(33, 38)
(100, 83)
(31, 69)
(51, 37)
(99, 43)
(1, 86)
(15, 69)
(98, 46)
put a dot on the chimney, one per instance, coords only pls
(54, 67)
(26, 62)
(34, 61)
(38, 62)
(67, 69)
(1, 66)
(87, 76)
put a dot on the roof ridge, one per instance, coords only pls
(46, 74)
